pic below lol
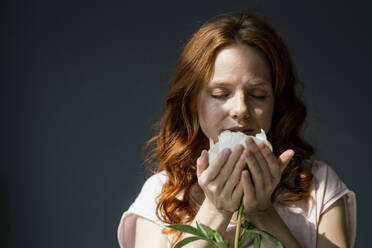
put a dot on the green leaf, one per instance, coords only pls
(186, 241)
(257, 241)
(272, 239)
(245, 239)
(187, 229)
(206, 230)
(242, 233)
(212, 236)
(267, 236)
(224, 244)
(247, 224)
(219, 240)
(217, 237)
(194, 238)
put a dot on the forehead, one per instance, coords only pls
(240, 63)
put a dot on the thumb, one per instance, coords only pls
(285, 158)
(202, 163)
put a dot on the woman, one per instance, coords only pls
(236, 74)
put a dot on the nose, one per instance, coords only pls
(239, 108)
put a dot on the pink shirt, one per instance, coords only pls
(301, 217)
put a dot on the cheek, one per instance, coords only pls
(206, 113)
(214, 111)
(260, 112)
(264, 116)
(211, 115)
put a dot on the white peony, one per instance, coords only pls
(228, 139)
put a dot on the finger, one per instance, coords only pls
(272, 161)
(215, 167)
(233, 180)
(202, 163)
(230, 164)
(256, 172)
(261, 161)
(284, 159)
(248, 189)
(238, 191)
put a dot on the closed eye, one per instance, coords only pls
(258, 97)
(220, 96)
(226, 95)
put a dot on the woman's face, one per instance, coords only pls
(239, 95)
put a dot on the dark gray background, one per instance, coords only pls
(83, 81)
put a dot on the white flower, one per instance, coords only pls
(228, 139)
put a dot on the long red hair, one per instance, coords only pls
(180, 139)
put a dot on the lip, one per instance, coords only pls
(245, 130)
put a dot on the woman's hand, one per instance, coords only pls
(264, 175)
(220, 179)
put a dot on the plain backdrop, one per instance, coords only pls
(82, 83)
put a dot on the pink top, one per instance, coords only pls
(301, 217)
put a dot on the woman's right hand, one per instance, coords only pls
(220, 180)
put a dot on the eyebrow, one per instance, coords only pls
(255, 83)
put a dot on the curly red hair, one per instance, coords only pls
(180, 139)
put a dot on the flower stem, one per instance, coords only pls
(237, 232)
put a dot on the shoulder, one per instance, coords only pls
(328, 187)
(322, 171)
(326, 182)
(146, 201)
(335, 202)
(326, 191)
(319, 168)
(154, 182)
(149, 192)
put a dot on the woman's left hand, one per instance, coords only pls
(264, 175)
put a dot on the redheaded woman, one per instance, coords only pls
(236, 74)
